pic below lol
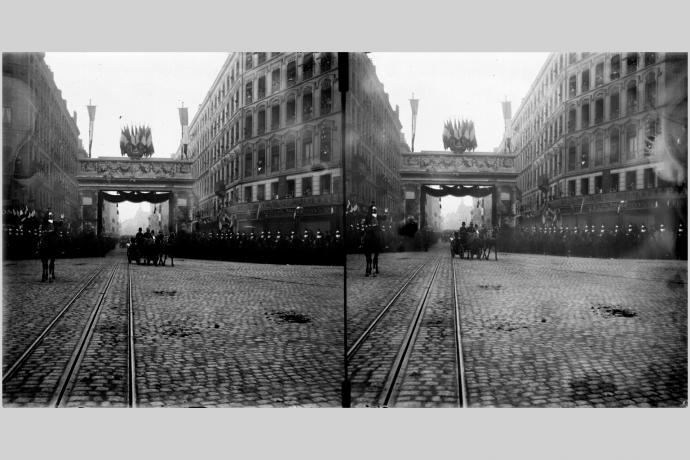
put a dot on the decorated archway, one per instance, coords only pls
(475, 174)
(116, 180)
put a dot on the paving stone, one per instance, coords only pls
(222, 335)
(547, 331)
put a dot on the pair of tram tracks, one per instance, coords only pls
(67, 379)
(394, 380)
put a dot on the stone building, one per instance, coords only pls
(266, 144)
(374, 142)
(40, 140)
(601, 138)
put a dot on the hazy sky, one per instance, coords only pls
(453, 85)
(136, 88)
(456, 85)
(147, 88)
(133, 88)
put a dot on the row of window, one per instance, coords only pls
(554, 130)
(631, 66)
(255, 161)
(629, 136)
(289, 189)
(268, 158)
(265, 120)
(307, 111)
(308, 64)
(204, 129)
(540, 106)
(631, 104)
(616, 182)
(611, 183)
(612, 147)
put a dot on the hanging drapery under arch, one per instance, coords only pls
(459, 190)
(136, 197)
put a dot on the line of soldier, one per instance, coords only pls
(310, 247)
(21, 242)
(653, 242)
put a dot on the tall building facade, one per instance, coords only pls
(266, 144)
(111, 218)
(40, 139)
(374, 142)
(601, 138)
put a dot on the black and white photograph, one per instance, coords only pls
(344, 230)
(172, 230)
(517, 229)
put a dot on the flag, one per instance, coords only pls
(149, 141)
(258, 211)
(582, 205)
(123, 142)
(184, 116)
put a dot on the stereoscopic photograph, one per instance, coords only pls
(517, 229)
(345, 229)
(172, 228)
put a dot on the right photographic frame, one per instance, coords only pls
(516, 229)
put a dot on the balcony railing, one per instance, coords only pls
(658, 193)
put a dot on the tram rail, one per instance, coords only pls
(395, 379)
(46, 330)
(393, 382)
(67, 379)
(372, 325)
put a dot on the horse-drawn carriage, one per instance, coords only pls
(154, 250)
(468, 244)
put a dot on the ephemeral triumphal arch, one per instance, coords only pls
(468, 173)
(137, 180)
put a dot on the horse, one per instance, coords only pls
(48, 250)
(488, 243)
(473, 246)
(167, 249)
(371, 244)
(146, 249)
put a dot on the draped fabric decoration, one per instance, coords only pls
(459, 190)
(137, 197)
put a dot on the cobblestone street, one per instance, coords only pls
(211, 334)
(537, 331)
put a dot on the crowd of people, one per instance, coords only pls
(633, 241)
